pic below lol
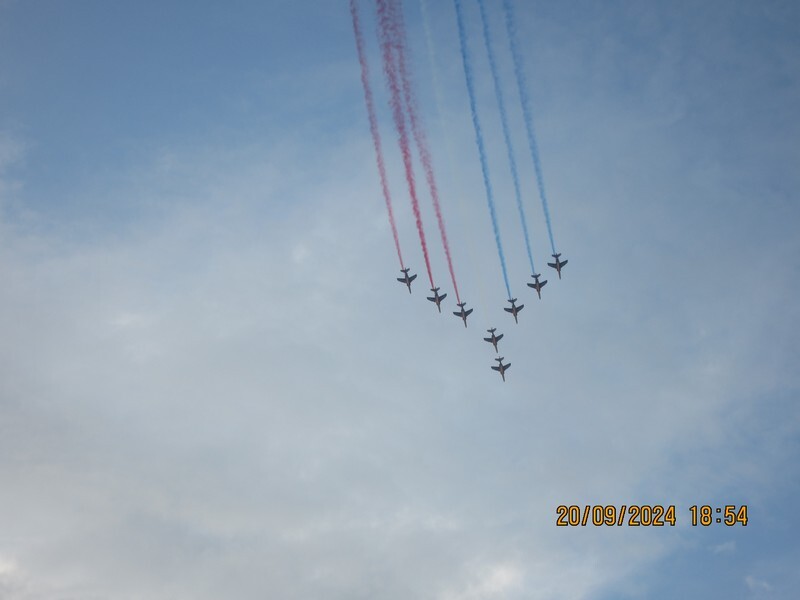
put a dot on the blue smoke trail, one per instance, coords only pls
(462, 36)
(498, 92)
(526, 111)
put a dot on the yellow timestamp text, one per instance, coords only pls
(647, 515)
(634, 515)
(729, 514)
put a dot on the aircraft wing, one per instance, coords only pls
(412, 278)
(508, 310)
(500, 337)
(496, 368)
(565, 262)
(469, 312)
(552, 265)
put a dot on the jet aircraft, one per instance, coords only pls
(501, 367)
(558, 265)
(514, 310)
(437, 299)
(463, 313)
(538, 285)
(407, 279)
(494, 338)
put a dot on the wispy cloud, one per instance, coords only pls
(757, 585)
(728, 547)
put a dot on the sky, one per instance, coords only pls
(211, 383)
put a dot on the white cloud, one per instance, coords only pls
(8, 567)
(757, 585)
(728, 547)
(190, 395)
(491, 581)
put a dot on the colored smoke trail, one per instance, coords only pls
(384, 26)
(526, 111)
(498, 92)
(417, 129)
(373, 125)
(506, 133)
(453, 182)
(462, 36)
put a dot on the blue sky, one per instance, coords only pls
(210, 382)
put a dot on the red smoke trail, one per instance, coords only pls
(397, 28)
(373, 125)
(399, 121)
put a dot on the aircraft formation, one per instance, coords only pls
(412, 140)
(463, 312)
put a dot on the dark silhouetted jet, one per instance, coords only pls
(514, 310)
(558, 265)
(537, 285)
(494, 339)
(437, 299)
(501, 367)
(463, 313)
(407, 279)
